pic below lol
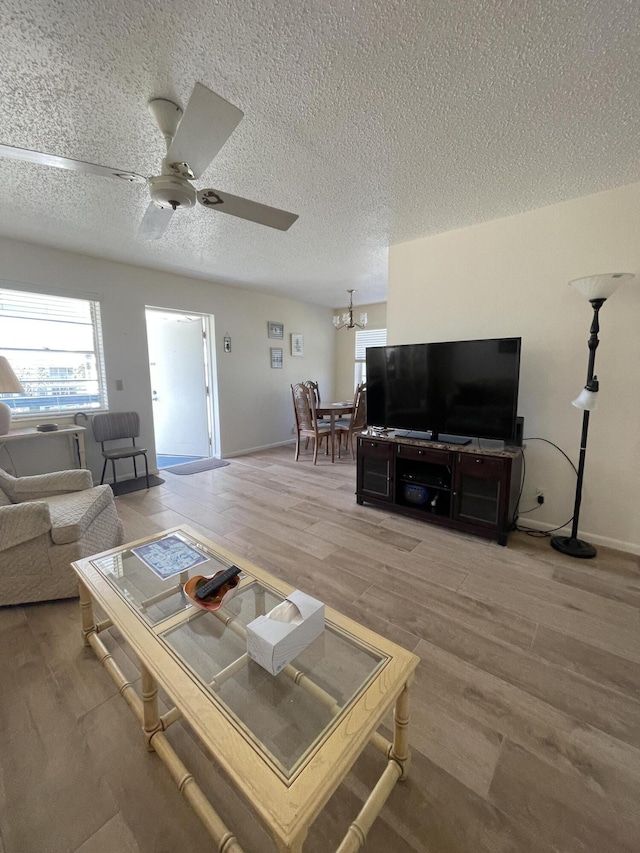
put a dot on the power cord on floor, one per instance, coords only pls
(530, 531)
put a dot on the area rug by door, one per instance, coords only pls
(197, 467)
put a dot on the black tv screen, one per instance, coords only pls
(454, 388)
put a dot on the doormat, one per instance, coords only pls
(127, 486)
(197, 467)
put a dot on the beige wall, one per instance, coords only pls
(345, 340)
(509, 278)
(254, 400)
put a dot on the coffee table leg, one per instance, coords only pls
(151, 718)
(86, 612)
(258, 594)
(400, 749)
(397, 768)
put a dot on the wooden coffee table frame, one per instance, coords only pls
(287, 807)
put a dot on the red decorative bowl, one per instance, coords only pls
(218, 598)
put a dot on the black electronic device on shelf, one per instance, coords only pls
(448, 391)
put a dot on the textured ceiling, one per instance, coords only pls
(377, 122)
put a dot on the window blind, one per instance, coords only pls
(369, 338)
(54, 345)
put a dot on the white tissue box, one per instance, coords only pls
(275, 639)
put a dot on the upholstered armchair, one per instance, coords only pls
(46, 522)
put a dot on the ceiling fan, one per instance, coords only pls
(193, 140)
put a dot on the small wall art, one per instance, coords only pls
(276, 357)
(297, 344)
(276, 330)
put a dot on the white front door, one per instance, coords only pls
(178, 368)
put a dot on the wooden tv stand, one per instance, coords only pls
(461, 487)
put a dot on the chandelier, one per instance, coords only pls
(346, 321)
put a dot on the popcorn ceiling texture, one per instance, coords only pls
(377, 122)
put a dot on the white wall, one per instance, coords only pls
(345, 341)
(254, 399)
(509, 278)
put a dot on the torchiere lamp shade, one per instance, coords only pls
(9, 384)
(600, 286)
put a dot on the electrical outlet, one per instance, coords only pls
(540, 496)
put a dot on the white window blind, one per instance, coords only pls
(366, 338)
(54, 345)
(369, 338)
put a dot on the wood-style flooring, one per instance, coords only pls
(525, 711)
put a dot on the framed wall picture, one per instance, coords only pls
(276, 330)
(297, 344)
(276, 357)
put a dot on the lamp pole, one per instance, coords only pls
(597, 289)
(571, 545)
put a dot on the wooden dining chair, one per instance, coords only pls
(348, 427)
(313, 386)
(307, 425)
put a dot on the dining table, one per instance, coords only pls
(334, 411)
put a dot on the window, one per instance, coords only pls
(54, 345)
(366, 338)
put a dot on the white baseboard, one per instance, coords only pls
(594, 538)
(258, 449)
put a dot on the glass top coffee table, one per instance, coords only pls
(285, 741)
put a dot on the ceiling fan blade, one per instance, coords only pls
(207, 123)
(66, 163)
(154, 222)
(245, 209)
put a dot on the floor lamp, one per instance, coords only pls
(597, 289)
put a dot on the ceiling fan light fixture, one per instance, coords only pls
(171, 191)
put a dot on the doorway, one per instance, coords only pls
(180, 371)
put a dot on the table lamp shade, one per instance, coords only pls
(9, 384)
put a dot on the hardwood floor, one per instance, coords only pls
(525, 711)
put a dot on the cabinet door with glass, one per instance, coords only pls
(481, 488)
(375, 469)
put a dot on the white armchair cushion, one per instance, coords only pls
(21, 523)
(71, 515)
(38, 486)
(4, 499)
(39, 539)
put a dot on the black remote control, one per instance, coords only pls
(216, 582)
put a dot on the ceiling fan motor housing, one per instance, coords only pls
(171, 191)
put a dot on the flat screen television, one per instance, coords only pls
(447, 390)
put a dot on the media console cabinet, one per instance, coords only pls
(461, 487)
